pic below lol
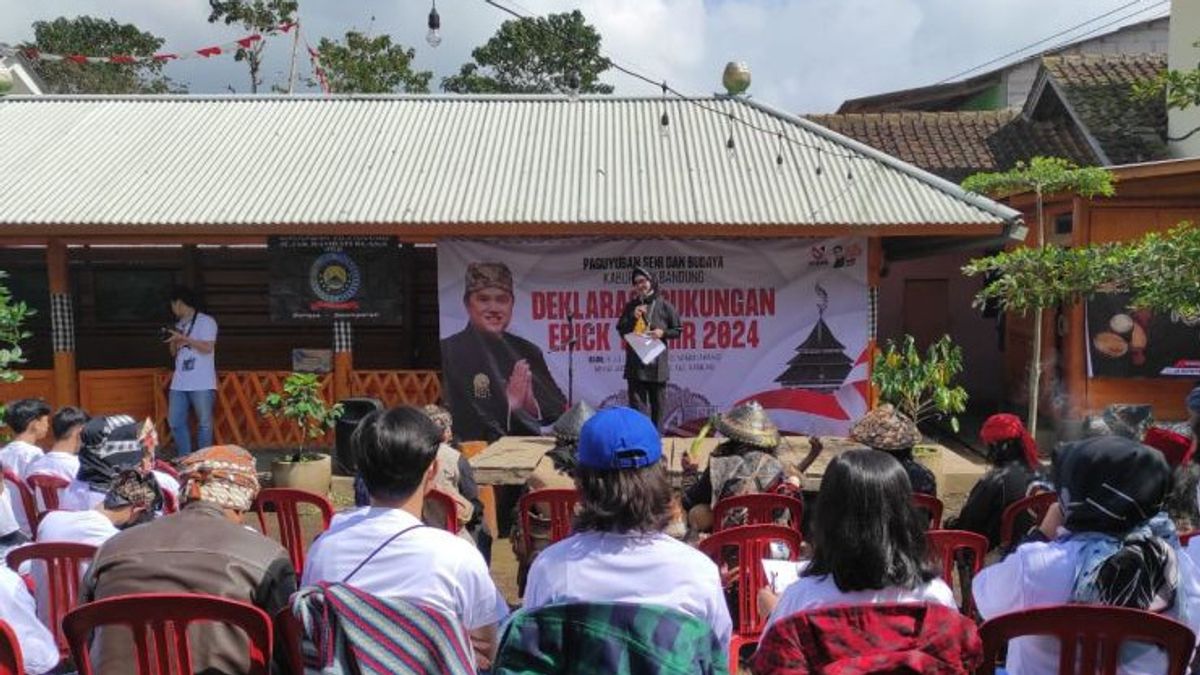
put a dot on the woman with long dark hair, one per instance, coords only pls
(1107, 541)
(868, 541)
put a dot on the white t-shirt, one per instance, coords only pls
(17, 456)
(820, 591)
(79, 496)
(83, 527)
(1043, 573)
(425, 564)
(55, 463)
(202, 373)
(14, 508)
(651, 569)
(17, 609)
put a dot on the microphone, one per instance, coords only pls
(571, 327)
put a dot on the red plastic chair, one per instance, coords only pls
(561, 502)
(943, 548)
(1186, 537)
(63, 563)
(170, 502)
(933, 506)
(1089, 635)
(449, 507)
(753, 545)
(1038, 504)
(760, 509)
(158, 624)
(11, 662)
(285, 503)
(47, 488)
(28, 503)
(290, 635)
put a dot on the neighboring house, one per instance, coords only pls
(1076, 103)
(19, 76)
(1008, 86)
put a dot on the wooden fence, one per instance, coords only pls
(142, 392)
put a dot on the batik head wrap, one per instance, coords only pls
(222, 475)
(108, 446)
(1004, 427)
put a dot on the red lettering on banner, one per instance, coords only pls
(591, 336)
(687, 338)
(538, 305)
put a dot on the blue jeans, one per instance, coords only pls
(177, 417)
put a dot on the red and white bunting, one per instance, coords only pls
(204, 53)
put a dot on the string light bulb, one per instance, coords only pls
(664, 122)
(434, 36)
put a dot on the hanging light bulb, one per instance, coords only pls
(664, 125)
(434, 36)
(729, 146)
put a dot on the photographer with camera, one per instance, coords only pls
(192, 342)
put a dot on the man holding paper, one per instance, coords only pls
(645, 323)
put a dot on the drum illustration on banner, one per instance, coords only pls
(780, 322)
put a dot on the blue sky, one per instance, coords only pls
(806, 55)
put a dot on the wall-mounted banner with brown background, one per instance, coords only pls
(334, 277)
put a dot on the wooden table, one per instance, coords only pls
(510, 460)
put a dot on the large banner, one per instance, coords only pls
(334, 277)
(1123, 342)
(781, 322)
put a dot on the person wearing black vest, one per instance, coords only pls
(648, 313)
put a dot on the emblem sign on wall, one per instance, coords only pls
(781, 322)
(1124, 342)
(334, 277)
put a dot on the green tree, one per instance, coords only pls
(1042, 176)
(90, 36)
(922, 388)
(255, 16)
(1180, 87)
(542, 55)
(364, 65)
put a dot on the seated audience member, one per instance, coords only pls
(11, 535)
(1178, 450)
(891, 431)
(108, 446)
(1106, 542)
(553, 471)
(447, 480)
(29, 419)
(1015, 469)
(62, 459)
(868, 543)
(1128, 420)
(384, 549)
(744, 463)
(619, 552)
(133, 499)
(18, 609)
(204, 548)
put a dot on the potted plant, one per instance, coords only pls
(300, 404)
(922, 388)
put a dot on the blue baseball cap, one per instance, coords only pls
(619, 438)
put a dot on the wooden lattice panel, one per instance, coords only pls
(398, 387)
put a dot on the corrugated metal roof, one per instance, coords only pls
(441, 160)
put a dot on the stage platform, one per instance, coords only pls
(508, 461)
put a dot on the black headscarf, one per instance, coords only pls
(108, 445)
(640, 271)
(1110, 484)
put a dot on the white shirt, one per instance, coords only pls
(79, 496)
(17, 455)
(635, 567)
(425, 564)
(18, 610)
(820, 591)
(1043, 573)
(55, 463)
(8, 516)
(203, 371)
(83, 527)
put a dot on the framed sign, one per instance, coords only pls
(334, 277)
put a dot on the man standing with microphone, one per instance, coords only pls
(650, 315)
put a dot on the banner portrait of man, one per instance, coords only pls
(495, 383)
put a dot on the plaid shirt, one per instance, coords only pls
(608, 639)
(858, 639)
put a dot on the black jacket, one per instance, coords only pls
(662, 315)
(475, 370)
